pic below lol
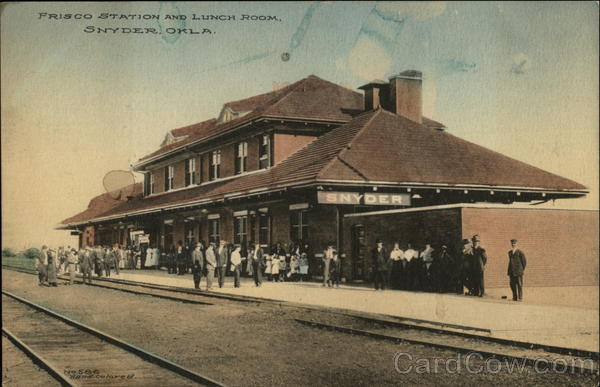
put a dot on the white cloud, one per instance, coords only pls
(417, 10)
(368, 60)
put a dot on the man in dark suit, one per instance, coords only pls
(257, 260)
(516, 267)
(380, 265)
(86, 263)
(99, 256)
(222, 254)
(478, 261)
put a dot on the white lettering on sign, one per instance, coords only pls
(375, 199)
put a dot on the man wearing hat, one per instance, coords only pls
(86, 264)
(380, 265)
(516, 267)
(479, 259)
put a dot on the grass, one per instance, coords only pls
(20, 262)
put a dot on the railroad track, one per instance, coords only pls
(438, 335)
(484, 350)
(77, 354)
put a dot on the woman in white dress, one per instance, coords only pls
(148, 258)
(275, 265)
(155, 255)
(268, 266)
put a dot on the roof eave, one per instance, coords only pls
(138, 167)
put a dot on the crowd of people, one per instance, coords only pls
(100, 260)
(402, 267)
(434, 270)
(217, 259)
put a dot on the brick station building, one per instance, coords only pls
(303, 162)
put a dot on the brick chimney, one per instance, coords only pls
(406, 95)
(376, 94)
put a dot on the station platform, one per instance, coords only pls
(561, 326)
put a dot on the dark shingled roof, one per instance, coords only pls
(395, 149)
(374, 146)
(311, 98)
(100, 205)
(194, 129)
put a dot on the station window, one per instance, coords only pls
(152, 186)
(240, 229)
(190, 171)
(241, 154)
(264, 229)
(213, 231)
(169, 176)
(264, 153)
(215, 164)
(299, 225)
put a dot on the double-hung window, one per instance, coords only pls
(241, 155)
(169, 177)
(264, 152)
(190, 171)
(215, 164)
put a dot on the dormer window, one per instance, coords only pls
(264, 153)
(190, 171)
(241, 155)
(215, 164)
(169, 177)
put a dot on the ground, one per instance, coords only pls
(250, 344)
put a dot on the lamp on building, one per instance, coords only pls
(375, 189)
(319, 188)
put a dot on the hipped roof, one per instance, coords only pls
(376, 146)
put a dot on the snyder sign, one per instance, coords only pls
(375, 199)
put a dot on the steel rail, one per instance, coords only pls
(37, 359)
(489, 354)
(395, 321)
(138, 351)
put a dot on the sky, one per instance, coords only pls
(520, 78)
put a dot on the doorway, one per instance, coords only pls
(359, 253)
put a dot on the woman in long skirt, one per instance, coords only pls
(275, 267)
(148, 258)
(52, 268)
(268, 262)
(155, 255)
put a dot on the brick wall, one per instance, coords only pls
(253, 150)
(159, 180)
(280, 223)
(322, 227)
(561, 246)
(179, 174)
(178, 231)
(227, 160)
(287, 144)
(198, 169)
(204, 162)
(88, 232)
